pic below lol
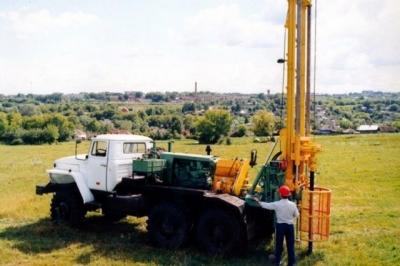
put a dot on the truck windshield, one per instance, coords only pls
(134, 148)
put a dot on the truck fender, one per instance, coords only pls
(80, 182)
(231, 202)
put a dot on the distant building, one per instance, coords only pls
(387, 129)
(325, 131)
(368, 129)
(79, 134)
(124, 109)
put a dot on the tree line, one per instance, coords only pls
(61, 123)
(36, 119)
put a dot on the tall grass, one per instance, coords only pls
(363, 171)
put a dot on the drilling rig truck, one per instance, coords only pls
(203, 197)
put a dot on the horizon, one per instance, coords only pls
(202, 92)
(227, 46)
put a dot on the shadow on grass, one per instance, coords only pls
(122, 242)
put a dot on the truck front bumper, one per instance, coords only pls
(43, 189)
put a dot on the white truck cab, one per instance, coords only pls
(109, 159)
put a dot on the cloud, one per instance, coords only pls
(358, 45)
(26, 23)
(225, 47)
(227, 25)
(357, 41)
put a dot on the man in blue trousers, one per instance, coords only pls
(286, 211)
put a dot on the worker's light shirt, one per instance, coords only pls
(285, 210)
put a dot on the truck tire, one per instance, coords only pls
(218, 232)
(168, 226)
(112, 216)
(67, 206)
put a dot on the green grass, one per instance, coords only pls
(363, 172)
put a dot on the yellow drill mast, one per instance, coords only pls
(295, 164)
(298, 150)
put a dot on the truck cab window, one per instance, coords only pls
(99, 148)
(134, 148)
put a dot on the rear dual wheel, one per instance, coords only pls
(218, 232)
(168, 226)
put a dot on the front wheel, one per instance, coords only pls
(168, 226)
(218, 232)
(67, 206)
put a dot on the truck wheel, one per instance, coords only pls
(167, 226)
(67, 207)
(112, 216)
(218, 232)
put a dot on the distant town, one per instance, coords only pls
(176, 114)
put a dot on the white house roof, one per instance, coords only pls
(368, 128)
(122, 137)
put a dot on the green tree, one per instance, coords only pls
(50, 134)
(396, 125)
(394, 108)
(239, 132)
(32, 136)
(138, 94)
(188, 107)
(27, 109)
(213, 125)
(174, 123)
(3, 123)
(155, 96)
(345, 123)
(263, 123)
(94, 126)
(123, 124)
(65, 128)
(36, 121)
(10, 135)
(15, 120)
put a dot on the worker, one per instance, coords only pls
(286, 211)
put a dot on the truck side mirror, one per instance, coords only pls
(76, 147)
(78, 141)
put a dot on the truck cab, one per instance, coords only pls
(107, 162)
(110, 159)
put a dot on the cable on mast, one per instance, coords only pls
(315, 63)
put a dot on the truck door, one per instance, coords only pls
(97, 165)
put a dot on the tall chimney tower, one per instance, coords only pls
(195, 91)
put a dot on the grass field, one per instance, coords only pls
(363, 172)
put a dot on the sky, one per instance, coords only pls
(72, 46)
